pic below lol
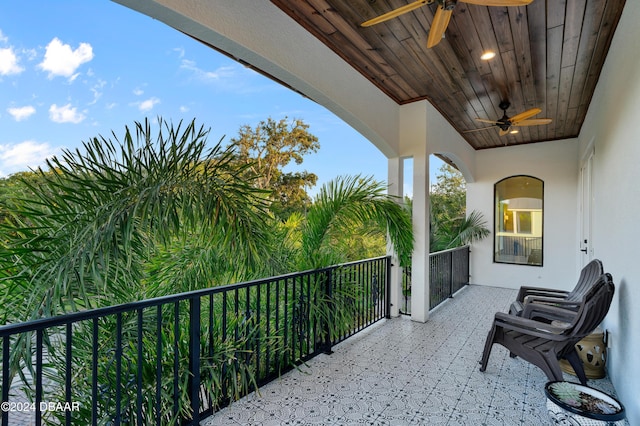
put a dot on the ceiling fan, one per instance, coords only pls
(506, 123)
(442, 15)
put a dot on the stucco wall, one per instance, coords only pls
(556, 164)
(612, 125)
(442, 138)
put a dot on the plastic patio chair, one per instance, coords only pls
(543, 344)
(567, 299)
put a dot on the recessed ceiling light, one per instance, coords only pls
(513, 132)
(489, 54)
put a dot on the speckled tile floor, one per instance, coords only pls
(401, 372)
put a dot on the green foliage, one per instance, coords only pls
(345, 204)
(450, 226)
(566, 392)
(95, 221)
(227, 365)
(157, 213)
(267, 149)
(11, 189)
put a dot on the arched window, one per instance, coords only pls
(518, 220)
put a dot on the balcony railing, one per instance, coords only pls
(177, 359)
(448, 273)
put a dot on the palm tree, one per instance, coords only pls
(456, 232)
(102, 226)
(343, 207)
(98, 220)
(346, 204)
(159, 213)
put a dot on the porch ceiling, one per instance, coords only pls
(549, 55)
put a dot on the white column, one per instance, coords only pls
(413, 142)
(396, 183)
(420, 258)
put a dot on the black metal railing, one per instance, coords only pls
(511, 245)
(176, 359)
(448, 273)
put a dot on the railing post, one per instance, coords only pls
(194, 358)
(468, 271)
(387, 290)
(328, 294)
(451, 274)
(5, 378)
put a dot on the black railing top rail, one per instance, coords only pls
(448, 250)
(90, 314)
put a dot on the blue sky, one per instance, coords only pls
(71, 70)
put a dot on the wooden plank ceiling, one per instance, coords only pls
(549, 55)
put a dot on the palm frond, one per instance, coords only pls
(96, 216)
(343, 204)
(471, 228)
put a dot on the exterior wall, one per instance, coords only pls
(555, 163)
(611, 126)
(442, 138)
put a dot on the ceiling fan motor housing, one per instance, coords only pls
(449, 4)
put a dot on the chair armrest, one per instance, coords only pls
(529, 326)
(539, 291)
(548, 312)
(545, 300)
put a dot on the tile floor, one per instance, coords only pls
(400, 372)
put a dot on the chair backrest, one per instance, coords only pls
(588, 276)
(594, 308)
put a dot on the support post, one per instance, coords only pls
(420, 286)
(413, 139)
(394, 284)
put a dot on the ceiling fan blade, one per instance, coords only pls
(534, 122)
(524, 115)
(438, 26)
(504, 132)
(498, 2)
(477, 130)
(396, 12)
(482, 120)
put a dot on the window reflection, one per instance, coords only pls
(518, 220)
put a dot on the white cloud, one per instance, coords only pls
(24, 155)
(231, 78)
(3, 38)
(148, 105)
(31, 54)
(138, 92)
(184, 108)
(61, 60)
(65, 114)
(221, 73)
(180, 51)
(21, 113)
(97, 91)
(9, 62)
